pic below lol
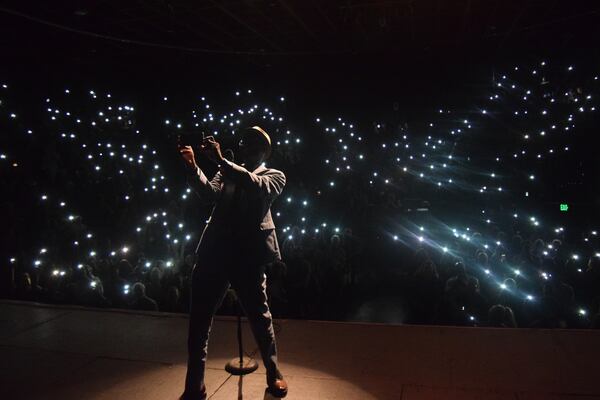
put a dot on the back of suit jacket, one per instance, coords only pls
(241, 217)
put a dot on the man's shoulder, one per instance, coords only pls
(269, 171)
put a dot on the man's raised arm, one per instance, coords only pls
(269, 184)
(207, 190)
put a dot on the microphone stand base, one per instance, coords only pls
(247, 366)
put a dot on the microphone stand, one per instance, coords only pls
(240, 365)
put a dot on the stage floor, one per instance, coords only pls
(50, 352)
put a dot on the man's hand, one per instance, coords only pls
(187, 153)
(212, 149)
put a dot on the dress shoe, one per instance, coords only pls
(278, 387)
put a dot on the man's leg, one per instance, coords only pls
(209, 286)
(250, 284)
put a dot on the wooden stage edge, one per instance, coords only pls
(72, 352)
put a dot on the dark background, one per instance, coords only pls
(394, 60)
(355, 56)
(371, 61)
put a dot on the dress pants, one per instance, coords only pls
(221, 262)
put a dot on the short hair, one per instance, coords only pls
(501, 316)
(139, 289)
(264, 135)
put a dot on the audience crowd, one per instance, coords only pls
(507, 274)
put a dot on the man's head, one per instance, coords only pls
(459, 269)
(139, 290)
(254, 146)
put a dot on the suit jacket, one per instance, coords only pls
(248, 221)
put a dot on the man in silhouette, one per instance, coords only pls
(238, 241)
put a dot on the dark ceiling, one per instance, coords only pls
(309, 27)
(351, 40)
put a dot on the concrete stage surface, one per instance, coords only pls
(53, 352)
